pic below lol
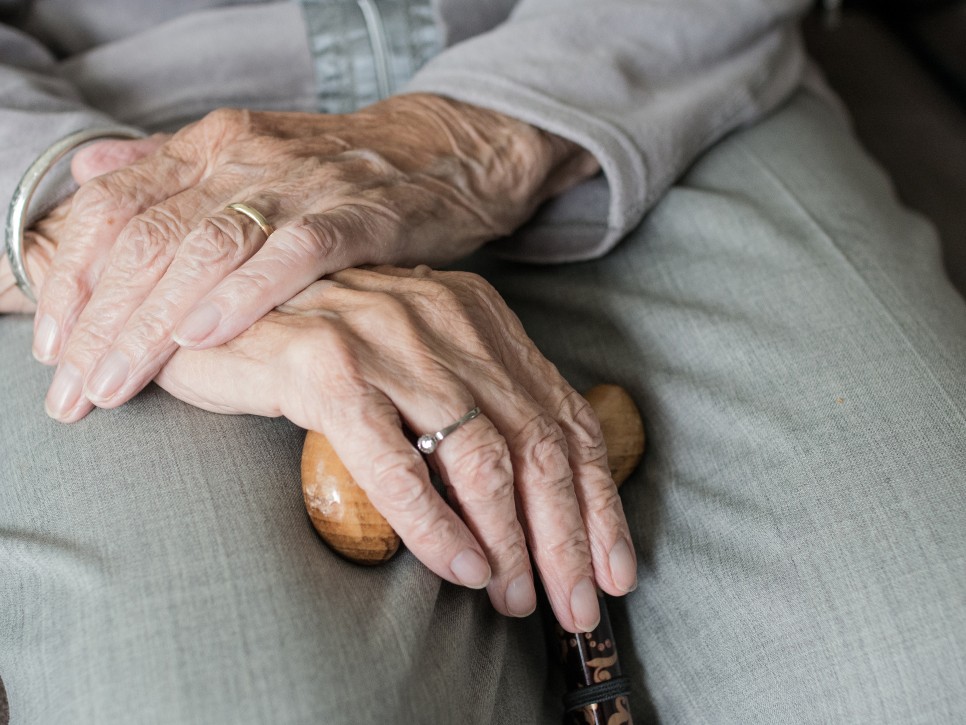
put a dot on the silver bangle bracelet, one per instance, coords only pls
(17, 213)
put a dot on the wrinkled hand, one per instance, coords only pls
(153, 257)
(357, 355)
(363, 352)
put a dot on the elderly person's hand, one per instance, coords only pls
(152, 257)
(362, 354)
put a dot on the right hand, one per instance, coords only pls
(153, 259)
(362, 354)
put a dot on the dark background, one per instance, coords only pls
(900, 67)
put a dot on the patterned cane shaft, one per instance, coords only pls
(597, 691)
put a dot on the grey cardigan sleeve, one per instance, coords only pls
(157, 77)
(37, 106)
(644, 85)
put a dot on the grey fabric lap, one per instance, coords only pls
(799, 359)
(801, 364)
(157, 566)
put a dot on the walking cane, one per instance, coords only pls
(597, 692)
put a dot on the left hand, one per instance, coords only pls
(152, 257)
(355, 355)
(358, 354)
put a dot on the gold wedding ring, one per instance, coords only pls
(253, 214)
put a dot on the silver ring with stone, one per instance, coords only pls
(17, 213)
(428, 442)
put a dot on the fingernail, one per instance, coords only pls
(471, 569)
(584, 606)
(623, 566)
(200, 323)
(108, 376)
(45, 339)
(521, 597)
(64, 391)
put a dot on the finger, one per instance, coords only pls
(217, 246)
(556, 530)
(244, 378)
(615, 563)
(135, 265)
(396, 480)
(294, 256)
(364, 427)
(102, 157)
(611, 546)
(100, 210)
(474, 467)
(65, 400)
(543, 481)
(474, 464)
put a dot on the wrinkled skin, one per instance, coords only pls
(419, 348)
(152, 259)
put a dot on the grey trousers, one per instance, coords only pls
(800, 361)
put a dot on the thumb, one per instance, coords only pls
(102, 157)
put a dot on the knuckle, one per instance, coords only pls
(434, 532)
(604, 498)
(436, 288)
(544, 448)
(307, 238)
(466, 286)
(443, 297)
(226, 120)
(398, 476)
(147, 241)
(247, 282)
(103, 196)
(360, 168)
(327, 340)
(215, 242)
(489, 473)
(369, 160)
(511, 550)
(105, 153)
(97, 192)
(571, 553)
(90, 336)
(380, 315)
(152, 324)
(63, 286)
(389, 311)
(583, 427)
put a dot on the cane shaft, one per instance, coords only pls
(597, 692)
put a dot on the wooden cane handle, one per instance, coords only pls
(344, 518)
